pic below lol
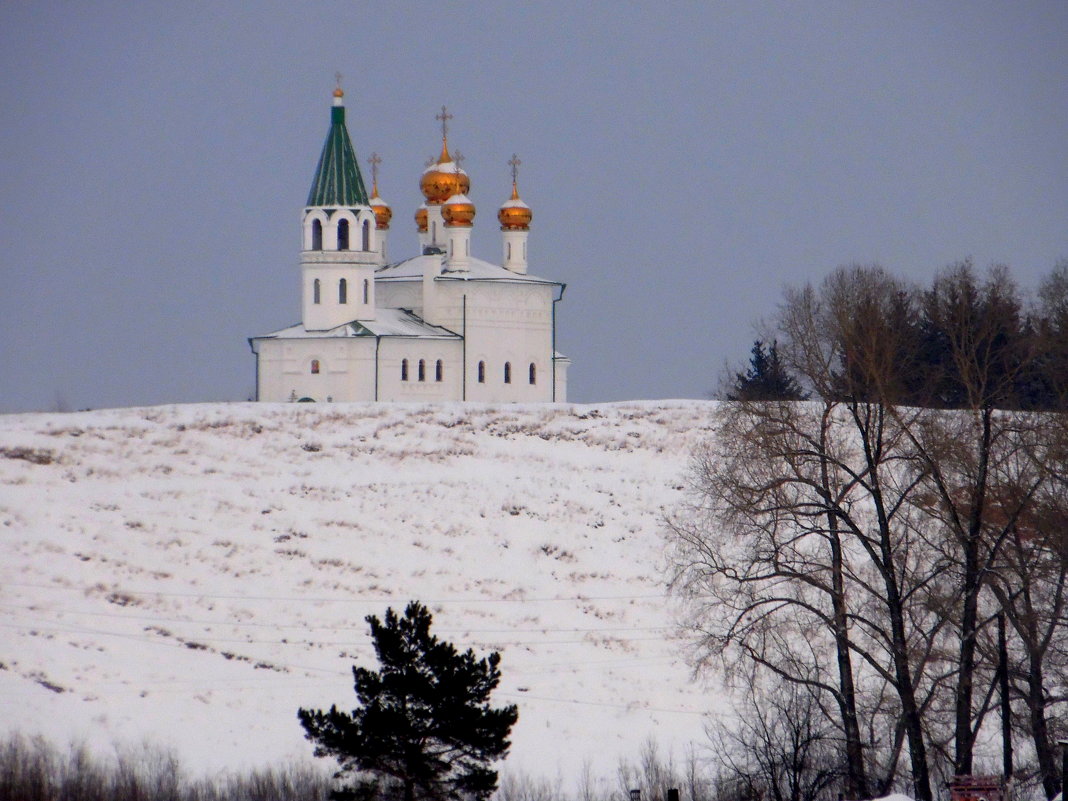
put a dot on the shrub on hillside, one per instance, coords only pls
(33, 769)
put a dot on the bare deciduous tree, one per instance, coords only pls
(781, 748)
(856, 546)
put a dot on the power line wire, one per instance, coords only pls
(356, 600)
(306, 626)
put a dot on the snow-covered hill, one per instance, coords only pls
(193, 574)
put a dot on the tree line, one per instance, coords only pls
(34, 769)
(965, 341)
(847, 558)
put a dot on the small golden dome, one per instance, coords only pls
(383, 213)
(420, 218)
(459, 211)
(338, 92)
(515, 215)
(444, 179)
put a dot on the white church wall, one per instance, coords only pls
(326, 369)
(560, 376)
(400, 295)
(393, 387)
(329, 268)
(505, 324)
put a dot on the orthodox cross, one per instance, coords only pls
(444, 116)
(458, 157)
(374, 161)
(337, 77)
(514, 163)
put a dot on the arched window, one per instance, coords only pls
(343, 291)
(482, 372)
(343, 235)
(509, 251)
(439, 370)
(366, 234)
(315, 289)
(404, 369)
(317, 235)
(533, 374)
(315, 367)
(508, 372)
(366, 291)
(422, 369)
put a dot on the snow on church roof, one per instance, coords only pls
(478, 270)
(387, 323)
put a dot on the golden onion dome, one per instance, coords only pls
(515, 215)
(444, 178)
(459, 211)
(420, 218)
(383, 213)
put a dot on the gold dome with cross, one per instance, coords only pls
(444, 178)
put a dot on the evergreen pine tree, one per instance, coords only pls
(424, 726)
(767, 378)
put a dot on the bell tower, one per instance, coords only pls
(340, 246)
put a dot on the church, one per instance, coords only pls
(440, 326)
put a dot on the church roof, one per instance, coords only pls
(478, 270)
(387, 323)
(338, 181)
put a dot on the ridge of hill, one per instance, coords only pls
(192, 574)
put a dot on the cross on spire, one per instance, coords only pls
(514, 163)
(458, 157)
(337, 77)
(374, 161)
(444, 116)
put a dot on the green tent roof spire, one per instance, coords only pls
(338, 181)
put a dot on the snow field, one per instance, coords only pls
(192, 574)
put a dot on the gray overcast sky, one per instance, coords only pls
(684, 162)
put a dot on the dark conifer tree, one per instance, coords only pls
(767, 378)
(424, 728)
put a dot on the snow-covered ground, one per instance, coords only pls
(194, 574)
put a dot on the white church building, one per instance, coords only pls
(441, 326)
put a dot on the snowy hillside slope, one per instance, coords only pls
(193, 574)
